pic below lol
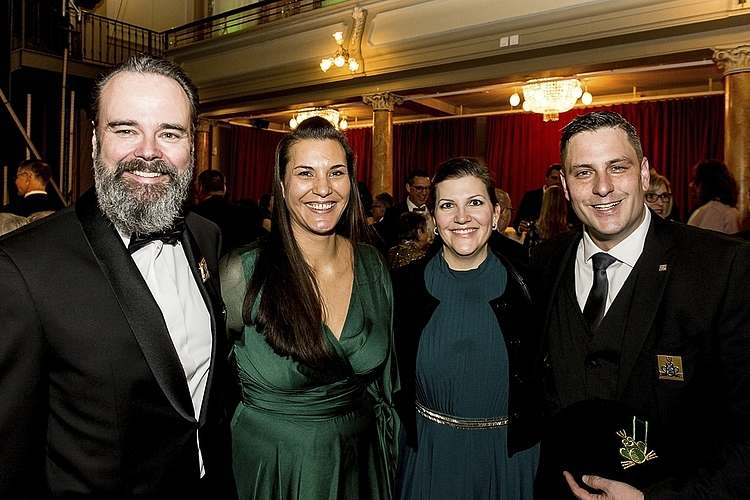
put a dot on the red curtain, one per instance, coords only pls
(253, 157)
(360, 139)
(426, 145)
(250, 170)
(675, 135)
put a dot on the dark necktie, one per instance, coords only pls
(593, 312)
(170, 236)
(420, 209)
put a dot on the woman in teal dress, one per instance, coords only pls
(467, 342)
(310, 307)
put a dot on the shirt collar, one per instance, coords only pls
(628, 250)
(411, 206)
(36, 191)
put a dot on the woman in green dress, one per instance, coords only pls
(467, 341)
(310, 307)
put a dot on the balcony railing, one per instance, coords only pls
(40, 26)
(104, 40)
(264, 11)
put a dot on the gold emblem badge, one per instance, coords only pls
(670, 367)
(204, 270)
(634, 452)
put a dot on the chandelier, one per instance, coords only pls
(341, 56)
(550, 97)
(332, 115)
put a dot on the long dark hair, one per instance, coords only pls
(715, 183)
(290, 313)
(553, 218)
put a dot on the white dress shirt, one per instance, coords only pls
(627, 253)
(167, 273)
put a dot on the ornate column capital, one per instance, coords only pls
(203, 125)
(382, 101)
(733, 60)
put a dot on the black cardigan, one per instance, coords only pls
(520, 322)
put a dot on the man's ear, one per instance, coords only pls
(564, 185)
(645, 174)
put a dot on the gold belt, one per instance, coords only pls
(459, 422)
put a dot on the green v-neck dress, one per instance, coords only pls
(301, 433)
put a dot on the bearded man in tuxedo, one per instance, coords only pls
(113, 349)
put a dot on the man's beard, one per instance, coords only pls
(138, 207)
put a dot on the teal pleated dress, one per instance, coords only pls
(462, 370)
(301, 433)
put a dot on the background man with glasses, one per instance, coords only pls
(418, 191)
(32, 177)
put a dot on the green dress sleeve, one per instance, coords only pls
(234, 279)
(383, 388)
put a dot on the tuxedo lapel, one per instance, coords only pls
(138, 305)
(652, 273)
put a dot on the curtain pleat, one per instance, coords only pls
(250, 171)
(426, 145)
(675, 135)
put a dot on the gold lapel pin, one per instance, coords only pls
(670, 367)
(662, 267)
(204, 270)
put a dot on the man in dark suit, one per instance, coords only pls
(531, 203)
(647, 329)
(32, 177)
(239, 225)
(418, 191)
(113, 345)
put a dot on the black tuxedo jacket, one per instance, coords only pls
(691, 301)
(387, 227)
(530, 207)
(95, 403)
(37, 202)
(239, 225)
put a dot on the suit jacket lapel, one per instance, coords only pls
(562, 263)
(653, 269)
(137, 304)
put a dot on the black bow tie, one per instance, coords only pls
(169, 236)
(420, 209)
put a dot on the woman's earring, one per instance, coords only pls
(494, 226)
(434, 230)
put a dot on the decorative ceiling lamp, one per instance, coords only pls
(341, 57)
(550, 97)
(332, 115)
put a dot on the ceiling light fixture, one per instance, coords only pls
(586, 98)
(341, 56)
(550, 97)
(515, 99)
(332, 115)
